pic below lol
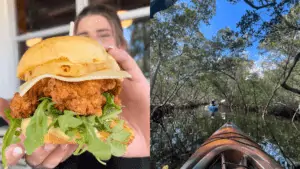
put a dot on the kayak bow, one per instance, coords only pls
(230, 148)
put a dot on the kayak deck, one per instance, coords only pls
(230, 148)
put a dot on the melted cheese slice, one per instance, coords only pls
(104, 74)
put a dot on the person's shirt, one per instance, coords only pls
(88, 161)
(213, 108)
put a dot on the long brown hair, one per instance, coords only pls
(110, 14)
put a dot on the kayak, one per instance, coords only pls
(230, 148)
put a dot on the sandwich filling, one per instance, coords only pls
(83, 113)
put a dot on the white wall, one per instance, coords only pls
(8, 50)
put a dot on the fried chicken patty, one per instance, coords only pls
(84, 98)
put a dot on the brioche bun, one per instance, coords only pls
(68, 56)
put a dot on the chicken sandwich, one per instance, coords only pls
(70, 96)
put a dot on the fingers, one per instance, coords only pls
(14, 153)
(60, 154)
(49, 156)
(40, 154)
(126, 62)
(70, 151)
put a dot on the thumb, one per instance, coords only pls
(14, 153)
(126, 62)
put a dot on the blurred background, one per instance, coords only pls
(26, 22)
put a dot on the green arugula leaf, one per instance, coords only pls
(10, 135)
(119, 126)
(45, 98)
(37, 128)
(67, 121)
(90, 132)
(100, 149)
(92, 119)
(16, 140)
(80, 149)
(69, 112)
(53, 123)
(112, 115)
(7, 115)
(117, 148)
(50, 106)
(71, 133)
(109, 98)
(71, 123)
(120, 136)
(110, 107)
(51, 110)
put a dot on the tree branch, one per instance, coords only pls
(284, 84)
(259, 7)
(265, 110)
(289, 24)
(153, 79)
(227, 74)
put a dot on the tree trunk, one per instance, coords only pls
(153, 79)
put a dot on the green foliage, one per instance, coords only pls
(188, 70)
(11, 134)
(139, 45)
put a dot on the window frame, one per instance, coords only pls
(80, 4)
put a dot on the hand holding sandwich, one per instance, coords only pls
(135, 98)
(47, 156)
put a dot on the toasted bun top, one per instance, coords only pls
(69, 56)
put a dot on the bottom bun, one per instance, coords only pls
(52, 138)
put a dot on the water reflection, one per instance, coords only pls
(182, 132)
(274, 151)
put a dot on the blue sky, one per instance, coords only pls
(127, 34)
(228, 15)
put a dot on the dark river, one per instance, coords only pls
(184, 131)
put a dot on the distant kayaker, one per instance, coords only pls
(213, 108)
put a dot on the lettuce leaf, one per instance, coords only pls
(110, 110)
(71, 124)
(101, 150)
(11, 135)
(37, 128)
(68, 121)
(117, 148)
(119, 126)
(120, 136)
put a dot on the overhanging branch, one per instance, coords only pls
(259, 7)
(284, 83)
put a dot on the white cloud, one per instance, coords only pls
(245, 54)
(257, 67)
(264, 63)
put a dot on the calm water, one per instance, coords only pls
(185, 131)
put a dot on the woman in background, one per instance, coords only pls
(102, 23)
